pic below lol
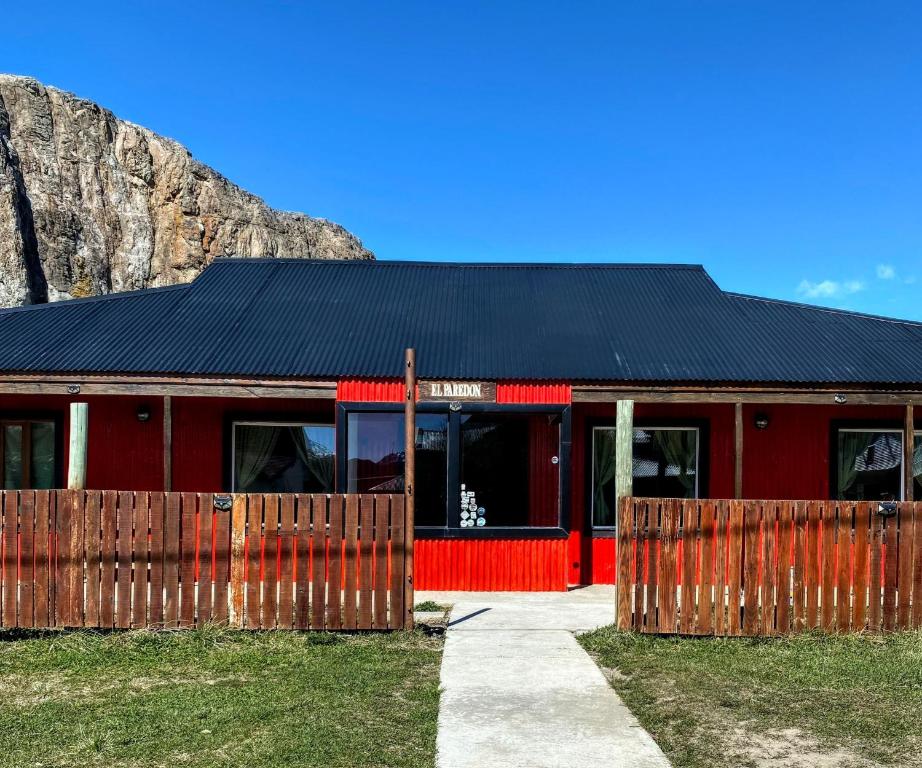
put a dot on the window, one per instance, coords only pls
(375, 459)
(869, 464)
(475, 468)
(283, 458)
(27, 454)
(664, 465)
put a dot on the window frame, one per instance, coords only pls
(862, 425)
(702, 453)
(28, 417)
(453, 483)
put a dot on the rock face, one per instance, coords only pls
(90, 204)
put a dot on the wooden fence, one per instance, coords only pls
(709, 567)
(112, 559)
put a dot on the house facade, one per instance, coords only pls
(284, 376)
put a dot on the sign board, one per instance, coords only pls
(461, 391)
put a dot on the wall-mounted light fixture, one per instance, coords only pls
(143, 413)
(761, 421)
(840, 398)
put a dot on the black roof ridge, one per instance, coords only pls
(818, 308)
(227, 260)
(136, 293)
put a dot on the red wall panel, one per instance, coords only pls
(370, 391)
(553, 393)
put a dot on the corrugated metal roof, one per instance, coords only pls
(331, 319)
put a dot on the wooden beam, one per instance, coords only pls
(738, 451)
(76, 460)
(409, 481)
(754, 397)
(624, 449)
(168, 443)
(909, 440)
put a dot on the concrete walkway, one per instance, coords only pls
(519, 692)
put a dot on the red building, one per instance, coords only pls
(285, 376)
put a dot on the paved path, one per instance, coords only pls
(519, 692)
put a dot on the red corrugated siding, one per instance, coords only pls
(491, 564)
(525, 392)
(370, 391)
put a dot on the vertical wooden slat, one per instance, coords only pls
(365, 561)
(875, 592)
(62, 555)
(396, 618)
(860, 570)
(668, 565)
(254, 547)
(890, 572)
(44, 614)
(26, 558)
(141, 543)
(721, 580)
(637, 570)
(752, 531)
(904, 566)
(380, 550)
(735, 538)
(206, 519)
(303, 550)
(220, 607)
(108, 556)
(171, 560)
(783, 578)
(334, 571)
(813, 576)
(828, 511)
(625, 555)
(350, 616)
(654, 518)
(768, 566)
(844, 519)
(78, 509)
(91, 537)
(318, 559)
(157, 505)
(799, 597)
(917, 567)
(705, 594)
(286, 553)
(125, 521)
(237, 561)
(269, 618)
(689, 510)
(188, 529)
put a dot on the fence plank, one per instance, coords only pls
(786, 511)
(637, 569)
(844, 522)
(398, 561)
(799, 597)
(814, 571)
(917, 568)
(254, 552)
(27, 559)
(318, 559)
(220, 609)
(365, 561)
(10, 557)
(44, 526)
(891, 562)
(335, 567)
(690, 517)
(350, 553)
(91, 537)
(625, 558)
(141, 528)
(904, 565)
(286, 558)
(668, 576)
(828, 533)
(303, 563)
(188, 530)
(860, 567)
(206, 519)
(157, 505)
(62, 556)
(735, 553)
(705, 594)
(721, 567)
(768, 565)
(269, 613)
(76, 597)
(123, 518)
(107, 557)
(752, 525)
(237, 561)
(382, 504)
(652, 545)
(875, 595)
(171, 560)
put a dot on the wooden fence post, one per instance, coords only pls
(238, 560)
(624, 479)
(76, 460)
(409, 483)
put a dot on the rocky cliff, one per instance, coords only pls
(91, 204)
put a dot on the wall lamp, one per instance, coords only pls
(143, 413)
(761, 421)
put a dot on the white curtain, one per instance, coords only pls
(253, 448)
(317, 459)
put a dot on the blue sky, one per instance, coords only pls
(777, 143)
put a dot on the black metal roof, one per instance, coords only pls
(296, 318)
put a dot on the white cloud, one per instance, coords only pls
(910, 280)
(826, 289)
(885, 272)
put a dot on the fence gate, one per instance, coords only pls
(259, 561)
(756, 567)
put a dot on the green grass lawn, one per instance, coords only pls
(809, 700)
(218, 698)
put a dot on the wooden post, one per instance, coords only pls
(738, 452)
(238, 559)
(909, 446)
(624, 469)
(409, 481)
(76, 460)
(167, 443)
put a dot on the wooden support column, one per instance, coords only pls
(409, 481)
(76, 460)
(909, 441)
(624, 474)
(167, 443)
(738, 451)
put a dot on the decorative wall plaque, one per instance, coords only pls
(458, 391)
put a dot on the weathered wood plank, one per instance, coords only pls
(27, 559)
(123, 564)
(398, 532)
(171, 560)
(668, 576)
(844, 522)
(269, 615)
(691, 520)
(365, 561)
(141, 553)
(206, 521)
(721, 567)
(625, 559)
(706, 590)
(188, 531)
(335, 567)
(905, 536)
(752, 531)
(44, 527)
(254, 553)
(303, 563)
(318, 559)
(380, 561)
(220, 610)
(156, 512)
(350, 556)
(108, 556)
(286, 558)
(785, 556)
(735, 553)
(891, 562)
(768, 560)
(860, 568)
(91, 537)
